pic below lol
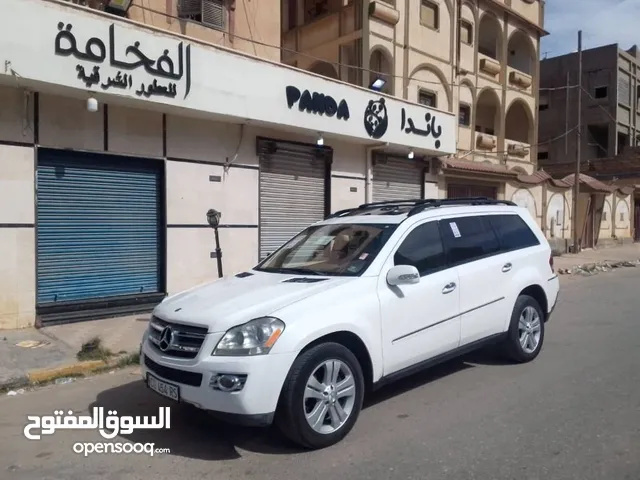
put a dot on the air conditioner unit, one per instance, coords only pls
(189, 8)
(120, 6)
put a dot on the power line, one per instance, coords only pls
(336, 64)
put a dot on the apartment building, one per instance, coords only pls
(476, 59)
(122, 123)
(610, 106)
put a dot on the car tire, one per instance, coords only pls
(303, 401)
(526, 331)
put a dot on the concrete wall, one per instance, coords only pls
(249, 20)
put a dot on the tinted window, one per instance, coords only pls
(467, 239)
(513, 232)
(423, 249)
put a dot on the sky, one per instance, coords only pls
(602, 22)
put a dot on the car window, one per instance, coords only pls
(344, 249)
(513, 232)
(467, 239)
(423, 249)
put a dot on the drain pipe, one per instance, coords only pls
(368, 175)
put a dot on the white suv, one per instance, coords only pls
(365, 297)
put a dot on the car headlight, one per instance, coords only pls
(255, 337)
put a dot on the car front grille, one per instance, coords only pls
(183, 341)
(173, 374)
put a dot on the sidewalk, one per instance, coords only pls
(32, 356)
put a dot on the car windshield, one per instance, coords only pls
(335, 249)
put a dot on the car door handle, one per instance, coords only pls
(506, 267)
(450, 287)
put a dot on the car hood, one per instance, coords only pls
(231, 301)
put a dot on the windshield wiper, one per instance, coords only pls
(300, 271)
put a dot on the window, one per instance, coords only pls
(467, 239)
(430, 14)
(464, 115)
(466, 32)
(544, 107)
(604, 216)
(543, 155)
(601, 92)
(513, 232)
(428, 98)
(622, 216)
(423, 249)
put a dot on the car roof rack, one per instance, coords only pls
(419, 205)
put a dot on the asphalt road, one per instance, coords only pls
(574, 413)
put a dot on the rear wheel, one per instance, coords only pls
(322, 396)
(526, 331)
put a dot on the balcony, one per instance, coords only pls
(486, 142)
(488, 66)
(323, 35)
(521, 63)
(518, 151)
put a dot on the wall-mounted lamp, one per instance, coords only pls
(378, 84)
(92, 105)
(320, 140)
(213, 219)
(410, 155)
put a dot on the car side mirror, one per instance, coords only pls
(403, 275)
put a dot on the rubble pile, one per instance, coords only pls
(588, 269)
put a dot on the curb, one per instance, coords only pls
(79, 369)
(75, 369)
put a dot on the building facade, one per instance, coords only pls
(476, 59)
(610, 104)
(117, 136)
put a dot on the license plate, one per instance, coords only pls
(163, 388)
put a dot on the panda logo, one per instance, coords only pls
(376, 120)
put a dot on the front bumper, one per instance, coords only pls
(254, 404)
(553, 287)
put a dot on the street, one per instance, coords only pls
(574, 413)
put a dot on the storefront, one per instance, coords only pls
(124, 155)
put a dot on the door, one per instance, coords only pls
(456, 190)
(483, 274)
(292, 194)
(98, 227)
(419, 321)
(396, 179)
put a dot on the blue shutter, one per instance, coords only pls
(98, 230)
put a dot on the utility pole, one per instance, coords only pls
(576, 183)
(566, 110)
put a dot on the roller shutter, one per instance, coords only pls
(98, 230)
(292, 191)
(456, 190)
(397, 179)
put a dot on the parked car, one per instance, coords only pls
(367, 296)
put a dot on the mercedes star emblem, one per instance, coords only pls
(166, 339)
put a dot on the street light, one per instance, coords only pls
(213, 219)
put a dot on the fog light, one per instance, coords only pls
(227, 382)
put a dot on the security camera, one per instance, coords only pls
(92, 104)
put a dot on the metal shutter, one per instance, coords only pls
(396, 179)
(455, 190)
(98, 230)
(213, 13)
(292, 193)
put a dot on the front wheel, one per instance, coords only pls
(526, 330)
(322, 396)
